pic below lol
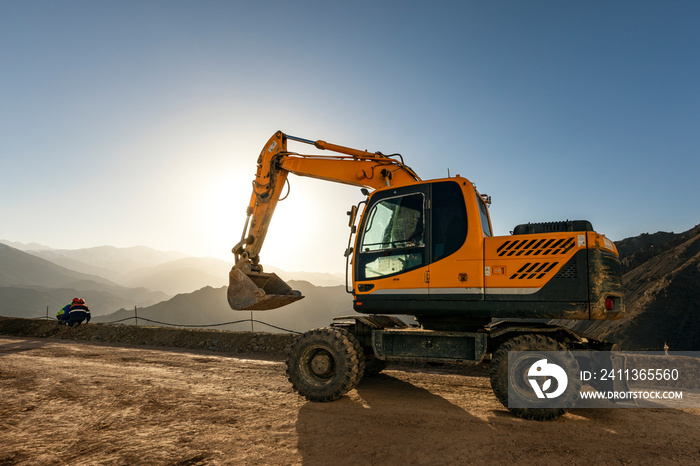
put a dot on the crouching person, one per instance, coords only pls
(77, 313)
(62, 315)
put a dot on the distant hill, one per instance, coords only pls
(171, 272)
(18, 268)
(182, 275)
(24, 246)
(27, 280)
(193, 273)
(32, 302)
(108, 261)
(662, 287)
(209, 306)
(317, 278)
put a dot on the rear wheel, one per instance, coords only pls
(324, 364)
(520, 386)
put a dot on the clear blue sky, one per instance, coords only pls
(139, 122)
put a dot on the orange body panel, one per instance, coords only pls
(528, 261)
(411, 282)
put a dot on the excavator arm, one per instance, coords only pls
(249, 287)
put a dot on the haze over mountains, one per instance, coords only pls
(110, 279)
(661, 279)
(115, 264)
(28, 284)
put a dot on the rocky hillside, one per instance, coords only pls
(662, 286)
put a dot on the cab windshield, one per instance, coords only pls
(393, 238)
(395, 223)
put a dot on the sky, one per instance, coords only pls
(139, 122)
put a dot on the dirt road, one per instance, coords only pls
(84, 403)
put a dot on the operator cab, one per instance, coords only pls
(405, 232)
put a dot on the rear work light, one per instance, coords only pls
(609, 304)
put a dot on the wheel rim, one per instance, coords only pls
(318, 365)
(322, 364)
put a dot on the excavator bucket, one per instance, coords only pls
(257, 291)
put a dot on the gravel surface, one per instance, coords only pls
(85, 402)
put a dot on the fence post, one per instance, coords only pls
(136, 316)
(251, 322)
(47, 312)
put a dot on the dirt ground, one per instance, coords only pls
(67, 402)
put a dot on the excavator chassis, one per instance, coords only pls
(367, 343)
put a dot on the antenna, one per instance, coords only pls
(448, 172)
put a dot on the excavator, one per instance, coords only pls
(425, 248)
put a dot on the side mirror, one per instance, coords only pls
(352, 213)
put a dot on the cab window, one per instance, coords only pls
(449, 219)
(485, 225)
(393, 240)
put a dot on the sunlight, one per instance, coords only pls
(308, 232)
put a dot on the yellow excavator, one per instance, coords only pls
(426, 249)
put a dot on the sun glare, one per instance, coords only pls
(309, 229)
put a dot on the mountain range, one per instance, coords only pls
(109, 279)
(209, 306)
(29, 285)
(661, 280)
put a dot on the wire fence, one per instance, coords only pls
(136, 319)
(204, 325)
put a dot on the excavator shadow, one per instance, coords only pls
(387, 420)
(382, 421)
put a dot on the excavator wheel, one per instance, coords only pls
(533, 343)
(324, 364)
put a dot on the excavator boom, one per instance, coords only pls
(249, 287)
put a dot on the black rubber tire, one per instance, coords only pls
(533, 343)
(324, 364)
(361, 360)
(374, 366)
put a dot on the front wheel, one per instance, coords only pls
(324, 364)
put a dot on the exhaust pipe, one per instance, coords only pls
(258, 291)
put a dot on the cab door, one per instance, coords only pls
(391, 254)
(456, 259)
